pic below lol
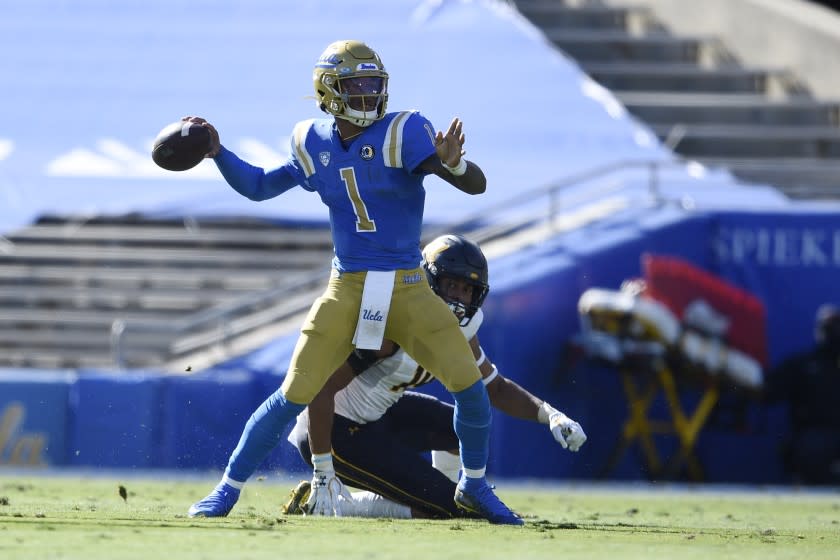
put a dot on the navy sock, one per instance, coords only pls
(472, 426)
(261, 434)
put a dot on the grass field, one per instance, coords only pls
(71, 516)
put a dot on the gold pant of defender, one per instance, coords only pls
(418, 320)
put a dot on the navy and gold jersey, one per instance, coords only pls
(372, 188)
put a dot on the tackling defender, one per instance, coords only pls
(368, 166)
(378, 427)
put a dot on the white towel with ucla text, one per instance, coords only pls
(373, 313)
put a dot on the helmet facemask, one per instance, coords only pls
(463, 311)
(363, 96)
(351, 83)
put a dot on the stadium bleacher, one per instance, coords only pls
(130, 292)
(760, 120)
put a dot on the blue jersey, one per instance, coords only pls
(375, 197)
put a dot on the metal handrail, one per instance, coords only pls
(215, 317)
(552, 190)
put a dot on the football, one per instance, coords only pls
(181, 146)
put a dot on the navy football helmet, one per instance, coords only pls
(456, 256)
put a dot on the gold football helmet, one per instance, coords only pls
(351, 83)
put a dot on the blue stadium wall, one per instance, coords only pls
(790, 260)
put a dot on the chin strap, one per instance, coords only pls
(360, 118)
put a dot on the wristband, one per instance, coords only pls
(322, 462)
(544, 413)
(459, 169)
(491, 377)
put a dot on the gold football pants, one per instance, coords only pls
(418, 320)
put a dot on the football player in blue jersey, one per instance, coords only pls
(368, 166)
(377, 429)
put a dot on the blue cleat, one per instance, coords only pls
(478, 498)
(217, 504)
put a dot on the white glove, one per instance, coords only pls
(326, 489)
(566, 431)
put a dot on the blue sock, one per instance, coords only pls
(261, 434)
(472, 426)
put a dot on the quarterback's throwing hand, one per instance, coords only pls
(215, 144)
